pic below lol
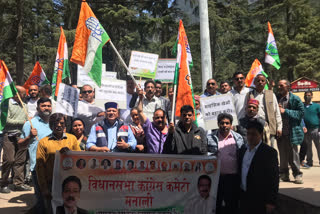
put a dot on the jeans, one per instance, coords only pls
(312, 135)
(40, 203)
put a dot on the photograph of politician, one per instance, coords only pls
(71, 188)
(81, 163)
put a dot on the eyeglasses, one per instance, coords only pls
(240, 78)
(87, 92)
(211, 83)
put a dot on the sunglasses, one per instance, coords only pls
(240, 78)
(211, 83)
(87, 92)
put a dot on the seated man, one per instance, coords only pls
(156, 132)
(252, 109)
(110, 134)
(186, 137)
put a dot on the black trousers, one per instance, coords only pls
(228, 192)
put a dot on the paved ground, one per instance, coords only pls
(21, 202)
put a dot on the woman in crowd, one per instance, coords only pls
(137, 130)
(77, 129)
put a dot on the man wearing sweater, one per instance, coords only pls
(14, 155)
(312, 121)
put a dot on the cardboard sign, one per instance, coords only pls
(67, 100)
(84, 79)
(212, 106)
(143, 64)
(165, 70)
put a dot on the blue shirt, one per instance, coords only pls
(112, 136)
(246, 163)
(43, 130)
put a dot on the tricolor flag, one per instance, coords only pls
(7, 90)
(61, 66)
(37, 77)
(182, 77)
(256, 68)
(272, 55)
(87, 48)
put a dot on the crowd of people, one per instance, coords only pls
(249, 170)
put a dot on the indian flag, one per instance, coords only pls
(61, 66)
(272, 55)
(7, 90)
(90, 38)
(37, 77)
(256, 68)
(182, 77)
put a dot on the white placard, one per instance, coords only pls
(67, 100)
(165, 70)
(143, 64)
(84, 79)
(212, 106)
(112, 91)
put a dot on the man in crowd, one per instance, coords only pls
(312, 122)
(31, 136)
(46, 91)
(227, 143)
(252, 114)
(32, 100)
(150, 103)
(87, 111)
(14, 154)
(170, 96)
(201, 203)
(111, 134)
(211, 88)
(239, 92)
(186, 137)
(259, 173)
(292, 111)
(224, 87)
(268, 107)
(47, 147)
(71, 188)
(156, 132)
(164, 101)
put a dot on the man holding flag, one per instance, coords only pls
(12, 120)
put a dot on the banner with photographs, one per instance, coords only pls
(135, 183)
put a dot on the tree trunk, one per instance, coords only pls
(19, 45)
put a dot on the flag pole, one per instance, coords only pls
(25, 111)
(174, 103)
(123, 63)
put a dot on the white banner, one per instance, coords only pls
(67, 100)
(84, 79)
(143, 64)
(212, 106)
(165, 70)
(137, 183)
(112, 91)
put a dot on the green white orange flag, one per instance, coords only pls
(182, 77)
(87, 48)
(7, 90)
(61, 66)
(37, 77)
(256, 68)
(272, 55)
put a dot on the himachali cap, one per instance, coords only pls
(110, 105)
(197, 97)
(253, 101)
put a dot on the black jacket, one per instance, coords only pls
(263, 175)
(177, 143)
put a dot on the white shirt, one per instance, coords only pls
(197, 204)
(88, 113)
(246, 163)
(150, 106)
(32, 107)
(239, 101)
